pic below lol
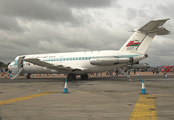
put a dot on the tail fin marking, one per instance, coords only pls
(143, 36)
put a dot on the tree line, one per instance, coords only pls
(3, 64)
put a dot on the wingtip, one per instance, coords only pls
(161, 19)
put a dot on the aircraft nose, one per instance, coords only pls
(10, 66)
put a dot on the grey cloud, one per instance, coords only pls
(86, 3)
(131, 13)
(8, 23)
(137, 14)
(166, 9)
(37, 9)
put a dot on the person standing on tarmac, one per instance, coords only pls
(153, 71)
(134, 71)
(157, 72)
(165, 72)
(3, 71)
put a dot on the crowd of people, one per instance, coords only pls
(116, 72)
(156, 71)
(5, 71)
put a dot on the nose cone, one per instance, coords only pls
(10, 65)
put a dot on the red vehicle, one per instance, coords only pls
(167, 68)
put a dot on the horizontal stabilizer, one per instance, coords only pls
(152, 25)
(163, 31)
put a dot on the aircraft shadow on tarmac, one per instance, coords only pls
(102, 78)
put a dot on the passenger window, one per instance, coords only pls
(80, 58)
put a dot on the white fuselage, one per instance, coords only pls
(78, 60)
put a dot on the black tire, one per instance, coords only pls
(74, 76)
(69, 77)
(28, 76)
(84, 77)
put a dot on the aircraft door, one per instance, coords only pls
(20, 61)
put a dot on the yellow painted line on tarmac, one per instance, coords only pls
(145, 108)
(25, 97)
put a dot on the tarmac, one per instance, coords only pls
(98, 98)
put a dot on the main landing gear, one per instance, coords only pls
(84, 77)
(28, 76)
(71, 77)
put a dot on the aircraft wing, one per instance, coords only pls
(50, 65)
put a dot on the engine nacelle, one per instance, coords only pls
(116, 60)
(138, 58)
(110, 61)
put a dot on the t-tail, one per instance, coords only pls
(142, 37)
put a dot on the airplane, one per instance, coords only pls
(84, 63)
(138, 66)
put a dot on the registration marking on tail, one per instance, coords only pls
(145, 108)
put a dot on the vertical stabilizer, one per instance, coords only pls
(143, 36)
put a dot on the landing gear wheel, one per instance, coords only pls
(71, 77)
(74, 77)
(28, 76)
(84, 77)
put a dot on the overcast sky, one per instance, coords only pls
(51, 26)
